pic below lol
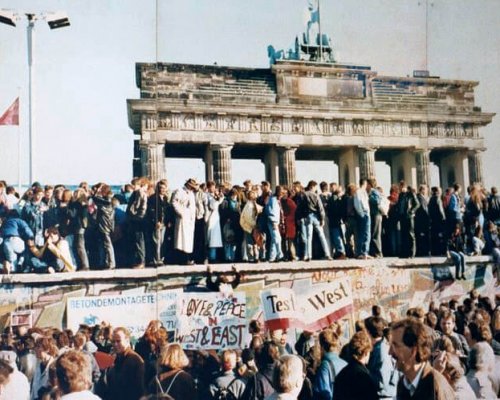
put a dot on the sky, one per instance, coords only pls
(84, 73)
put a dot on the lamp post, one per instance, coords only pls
(55, 20)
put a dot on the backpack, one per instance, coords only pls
(224, 393)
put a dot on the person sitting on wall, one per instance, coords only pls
(15, 233)
(56, 259)
(223, 283)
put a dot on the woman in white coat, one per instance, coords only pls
(212, 219)
(184, 204)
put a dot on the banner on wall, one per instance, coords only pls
(213, 321)
(133, 311)
(280, 308)
(326, 303)
(314, 310)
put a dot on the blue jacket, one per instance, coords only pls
(383, 370)
(16, 227)
(325, 377)
(453, 209)
(272, 210)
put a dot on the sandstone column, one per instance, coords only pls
(286, 165)
(153, 161)
(366, 162)
(221, 158)
(475, 167)
(422, 160)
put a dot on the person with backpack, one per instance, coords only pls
(331, 365)
(261, 384)
(172, 379)
(227, 385)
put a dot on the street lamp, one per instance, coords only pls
(55, 20)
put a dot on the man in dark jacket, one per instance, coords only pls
(354, 381)
(336, 212)
(494, 206)
(437, 218)
(314, 221)
(125, 380)
(105, 222)
(422, 222)
(407, 206)
(260, 385)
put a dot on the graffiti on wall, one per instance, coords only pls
(394, 289)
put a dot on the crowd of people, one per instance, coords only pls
(450, 351)
(55, 229)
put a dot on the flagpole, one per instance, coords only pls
(30, 29)
(320, 38)
(19, 152)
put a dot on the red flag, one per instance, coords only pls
(11, 116)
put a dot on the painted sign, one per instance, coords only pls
(132, 310)
(313, 310)
(212, 321)
(326, 303)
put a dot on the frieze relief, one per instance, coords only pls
(433, 129)
(396, 129)
(338, 128)
(231, 123)
(254, 124)
(165, 121)
(297, 125)
(305, 126)
(316, 127)
(210, 122)
(276, 125)
(187, 122)
(358, 128)
(376, 128)
(415, 128)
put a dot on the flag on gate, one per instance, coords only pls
(11, 116)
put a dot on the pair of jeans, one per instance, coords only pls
(138, 246)
(312, 224)
(459, 260)
(13, 250)
(337, 239)
(376, 235)
(106, 251)
(275, 252)
(158, 239)
(363, 242)
(229, 251)
(78, 251)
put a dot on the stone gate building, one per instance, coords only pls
(307, 110)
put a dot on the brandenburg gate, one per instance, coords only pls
(314, 109)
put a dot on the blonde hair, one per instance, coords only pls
(174, 357)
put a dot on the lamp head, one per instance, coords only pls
(58, 19)
(8, 17)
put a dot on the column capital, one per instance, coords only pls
(368, 148)
(221, 146)
(476, 150)
(285, 147)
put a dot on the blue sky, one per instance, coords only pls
(85, 73)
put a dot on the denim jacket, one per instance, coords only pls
(383, 370)
(325, 377)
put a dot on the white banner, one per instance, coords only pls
(213, 321)
(280, 308)
(326, 302)
(317, 308)
(133, 311)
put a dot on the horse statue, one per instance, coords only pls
(274, 54)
